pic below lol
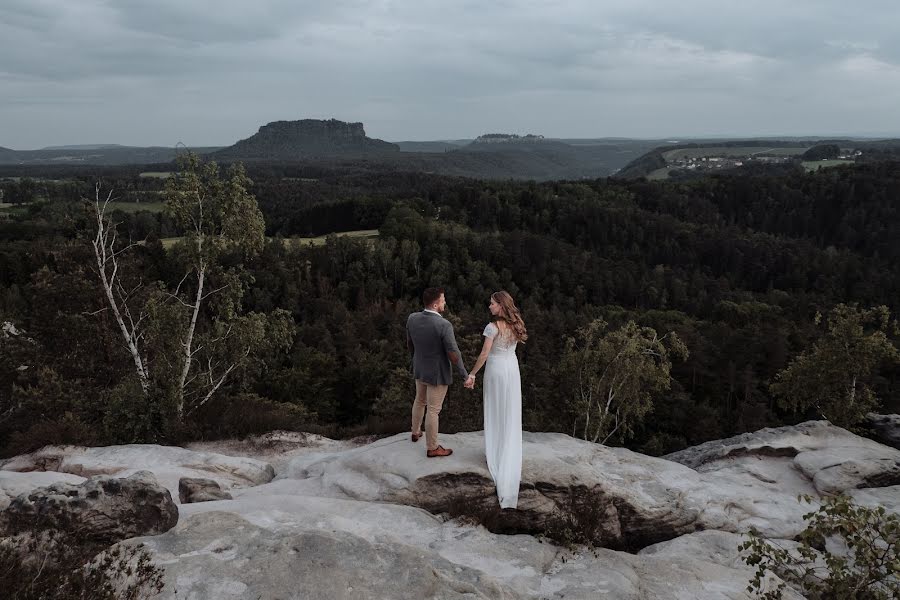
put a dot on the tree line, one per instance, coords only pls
(714, 284)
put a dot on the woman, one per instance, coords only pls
(502, 396)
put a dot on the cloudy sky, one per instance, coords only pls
(209, 72)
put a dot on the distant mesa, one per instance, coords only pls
(307, 138)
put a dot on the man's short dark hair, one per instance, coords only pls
(431, 295)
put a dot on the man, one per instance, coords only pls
(429, 337)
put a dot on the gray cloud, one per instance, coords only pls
(210, 72)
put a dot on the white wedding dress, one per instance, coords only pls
(503, 417)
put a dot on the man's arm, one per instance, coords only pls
(409, 342)
(453, 353)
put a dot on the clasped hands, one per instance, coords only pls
(470, 382)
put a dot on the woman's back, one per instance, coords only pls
(504, 342)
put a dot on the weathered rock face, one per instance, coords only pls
(13, 484)
(102, 509)
(307, 138)
(269, 542)
(197, 489)
(642, 497)
(731, 485)
(367, 516)
(831, 458)
(168, 463)
(203, 553)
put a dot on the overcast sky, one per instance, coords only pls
(210, 72)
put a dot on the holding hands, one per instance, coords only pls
(470, 382)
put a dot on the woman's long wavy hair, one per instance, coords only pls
(510, 315)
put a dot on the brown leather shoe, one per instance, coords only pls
(415, 437)
(439, 451)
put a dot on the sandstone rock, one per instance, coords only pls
(642, 496)
(749, 481)
(13, 484)
(268, 542)
(278, 448)
(197, 489)
(102, 509)
(833, 459)
(168, 463)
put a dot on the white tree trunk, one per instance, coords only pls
(108, 270)
(186, 345)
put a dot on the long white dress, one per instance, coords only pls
(503, 417)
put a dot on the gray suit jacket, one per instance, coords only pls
(431, 340)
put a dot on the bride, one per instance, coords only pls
(502, 396)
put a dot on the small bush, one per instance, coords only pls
(248, 414)
(51, 565)
(477, 510)
(67, 429)
(868, 568)
(579, 520)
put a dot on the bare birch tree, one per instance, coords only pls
(613, 376)
(195, 334)
(107, 251)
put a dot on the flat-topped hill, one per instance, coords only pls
(286, 140)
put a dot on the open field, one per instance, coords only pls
(157, 174)
(659, 174)
(294, 242)
(132, 207)
(737, 152)
(7, 210)
(320, 240)
(815, 165)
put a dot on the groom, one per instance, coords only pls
(429, 337)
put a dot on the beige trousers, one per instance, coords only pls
(430, 397)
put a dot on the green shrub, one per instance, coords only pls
(867, 568)
(248, 414)
(65, 429)
(51, 565)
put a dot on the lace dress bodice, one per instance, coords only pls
(504, 346)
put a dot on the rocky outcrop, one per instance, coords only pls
(197, 489)
(345, 520)
(103, 509)
(168, 463)
(307, 138)
(13, 484)
(269, 541)
(832, 459)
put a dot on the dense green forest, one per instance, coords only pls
(737, 266)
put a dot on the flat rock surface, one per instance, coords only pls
(319, 518)
(13, 483)
(168, 463)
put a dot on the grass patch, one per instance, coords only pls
(293, 242)
(735, 152)
(659, 174)
(156, 174)
(296, 242)
(7, 210)
(815, 165)
(133, 207)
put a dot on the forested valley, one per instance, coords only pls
(310, 336)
